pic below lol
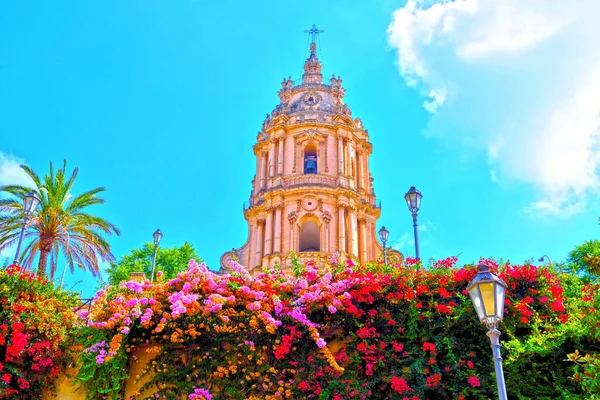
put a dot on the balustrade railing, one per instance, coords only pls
(311, 179)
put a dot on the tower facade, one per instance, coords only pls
(312, 192)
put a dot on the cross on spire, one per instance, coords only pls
(314, 32)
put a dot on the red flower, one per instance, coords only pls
(563, 318)
(303, 385)
(544, 299)
(433, 380)
(470, 365)
(474, 381)
(429, 347)
(557, 306)
(400, 385)
(6, 378)
(23, 384)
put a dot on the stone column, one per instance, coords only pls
(280, 143)
(277, 239)
(292, 218)
(326, 220)
(269, 232)
(369, 243)
(258, 244)
(271, 166)
(352, 233)
(264, 170)
(367, 174)
(342, 228)
(362, 230)
(340, 155)
(348, 164)
(361, 170)
(257, 176)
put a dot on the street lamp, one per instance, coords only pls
(383, 235)
(487, 294)
(30, 203)
(541, 259)
(413, 200)
(157, 236)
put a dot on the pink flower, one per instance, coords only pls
(332, 309)
(321, 343)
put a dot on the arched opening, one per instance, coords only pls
(310, 237)
(310, 159)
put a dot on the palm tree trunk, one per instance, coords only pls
(42, 263)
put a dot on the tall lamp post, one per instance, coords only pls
(413, 200)
(541, 259)
(487, 294)
(30, 203)
(157, 236)
(383, 235)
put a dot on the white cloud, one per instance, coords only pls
(518, 81)
(11, 173)
(403, 242)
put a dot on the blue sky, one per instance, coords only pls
(490, 109)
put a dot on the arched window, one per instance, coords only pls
(310, 237)
(310, 159)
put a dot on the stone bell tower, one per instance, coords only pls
(312, 192)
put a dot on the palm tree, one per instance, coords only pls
(60, 225)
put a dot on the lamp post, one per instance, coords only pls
(413, 201)
(30, 203)
(157, 236)
(541, 259)
(383, 235)
(487, 294)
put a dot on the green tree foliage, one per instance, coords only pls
(585, 259)
(60, 225)
(170, 261)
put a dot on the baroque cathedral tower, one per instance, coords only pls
(312, 193)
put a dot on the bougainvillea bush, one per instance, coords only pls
(36, 322)
(334, 330)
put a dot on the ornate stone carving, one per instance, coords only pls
(327, 217)
(292, 216)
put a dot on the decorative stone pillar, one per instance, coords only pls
(362, 242)
(326, 220)
(280, 143)
(342, 228)
(264, 170)
(269, 232)
(352, 232)
(340, 155)
(271, 171)
(277, 239)
(258, 243)
(361, 170)
(292, 217)
(347, 159)
(257, 176)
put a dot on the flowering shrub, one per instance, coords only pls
(332, 331)
(35, 321)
